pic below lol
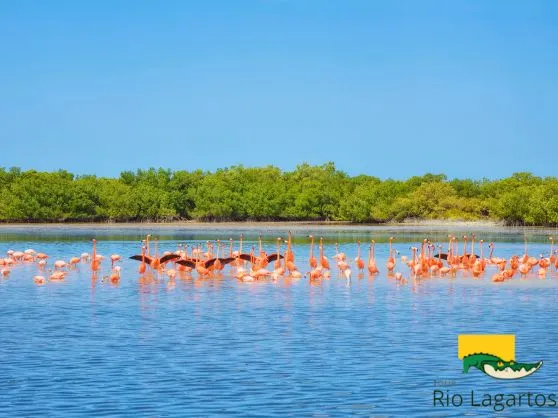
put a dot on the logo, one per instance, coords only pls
(493, 355)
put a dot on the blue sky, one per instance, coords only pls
(386, 88)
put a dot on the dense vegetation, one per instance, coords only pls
(239, 193)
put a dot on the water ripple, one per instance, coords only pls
(209, 348)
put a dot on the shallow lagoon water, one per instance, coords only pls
(219, 347)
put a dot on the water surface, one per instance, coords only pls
(219, 347)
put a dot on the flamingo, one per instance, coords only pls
(57, 276)
(291, 266)
(358, 259)
(261, 272)
(339, 256)
(155, 262)
(183, 253)
(59, 264)
(217, 265)
(27, 257)
(18, 255)
(498, 277)
(444, 271)
(295, 274)
(495, 260)
(289, 257)
(316, 273)
(115, 275)
(279, 269)
(416, 268)
(391, 261)
(201, 268)
(323, 259)
(209, 251)
(277, 263)
(342, 265)
(312, 260)
(477, 268)
(542, 272)
(261, 261)
(423, 262)
(142, 267)
(434, 268)
(39, 280)
(508, 273)
(236, 254)
(482, 259)
(514, 262)
(524, 269)
(114, 258)
(95, 262)
(544, 262)
(289, 253)
(464, 257)
(41, 256)
(372, 267)
(147, 249)
(204, 266)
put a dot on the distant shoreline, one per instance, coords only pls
(301, 225)
(200, 224)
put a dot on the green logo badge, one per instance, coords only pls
(493, 355)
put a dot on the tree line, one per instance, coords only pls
(308, 193)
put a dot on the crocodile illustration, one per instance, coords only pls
(497, 368)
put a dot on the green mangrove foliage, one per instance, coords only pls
(267, 193)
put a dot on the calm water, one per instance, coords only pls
(219, 347)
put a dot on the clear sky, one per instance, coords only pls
(386, 88)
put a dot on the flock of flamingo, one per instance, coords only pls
(211, 261)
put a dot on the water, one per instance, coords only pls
(219, 347)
